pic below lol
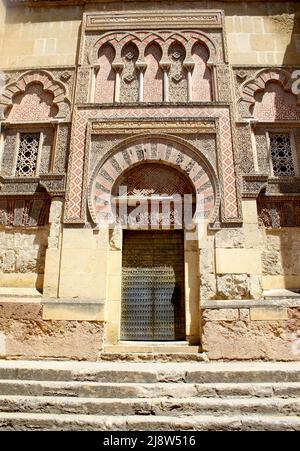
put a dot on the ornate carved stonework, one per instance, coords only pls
(74, 211)
(224, 83)
(244, 154)
(62, 149)
(33, 85)
(262, 151)
(136, 20)
(277, 101)
(177, 73)
(82, 85)
(53, 184)
(123, 30)
(275, 213)
(129, 90)
(253, 185)
(24, 212)
(154, 150)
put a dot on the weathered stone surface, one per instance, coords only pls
(244, 314)
(266, 340)
(271, 263)
(206, 261)
(35, 339)
(55, 223)
(23, 252)
(124, 406)
(230, 238)
(208, 286)
(233, 286)
(268, 314)
(21, 311)
(220, 315)
(255, 285)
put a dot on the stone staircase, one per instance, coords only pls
(155, 396)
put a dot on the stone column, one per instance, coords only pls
(141, 67)
(189, 66)
(52, 264)
(165, 65)
(118, 67)
(94, 73)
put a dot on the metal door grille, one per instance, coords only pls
(153, 286)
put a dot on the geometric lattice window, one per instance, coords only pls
(28, 154)
(282, 154)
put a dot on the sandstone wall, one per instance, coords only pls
(33, 37)
(230, 260)
(24, 334)
(281, 258)
(22, 257)
(270, 333)
(258, 33)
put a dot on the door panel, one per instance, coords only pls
(153, 286)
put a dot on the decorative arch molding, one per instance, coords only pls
(251, 88)
(164, 38)
(142, 149)
(49, 84)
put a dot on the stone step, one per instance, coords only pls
(140, 347)
(170, 355)
(25, 421)
(154, 406)
(150, 372)
(148, 390)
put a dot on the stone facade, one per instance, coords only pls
(195, 99)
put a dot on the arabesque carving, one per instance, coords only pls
(49, 84)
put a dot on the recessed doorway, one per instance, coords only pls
(153, 298)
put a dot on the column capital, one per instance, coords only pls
(141, 65)
(118, 66)
(189, 65)
(165, 65)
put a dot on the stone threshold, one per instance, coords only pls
(144, 347)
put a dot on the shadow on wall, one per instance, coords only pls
(284, 243)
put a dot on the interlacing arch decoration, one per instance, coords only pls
(171, 151)
(163, 38)
(259, 83)
(49, 85)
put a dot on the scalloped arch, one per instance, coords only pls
(184, 37)
(251, 87)
(49, 84)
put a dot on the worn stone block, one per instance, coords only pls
(254, 340)
(232, 286)
(76, 311)
(245, 314)
(255, 286)
(208, 286)
(230, 238)
(220, 314)
(271, 263)
(206, 261)
(269, 314)
(238, 261)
